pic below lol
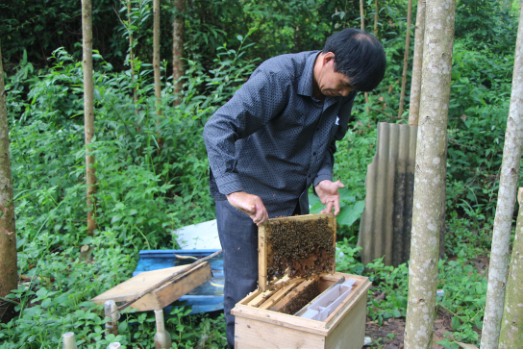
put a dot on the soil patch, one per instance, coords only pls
(381, 335)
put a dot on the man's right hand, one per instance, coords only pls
(250, 204)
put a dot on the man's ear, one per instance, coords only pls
(328, 58)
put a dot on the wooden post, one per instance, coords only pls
(69, 341)
(405, 62)
(162, 338)
(415, 86)
(429, 181)
(111, 311)
(499, 252)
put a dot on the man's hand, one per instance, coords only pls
(328, 193)
(250, 204)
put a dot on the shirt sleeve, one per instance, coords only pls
(259, 100)
(344, 114)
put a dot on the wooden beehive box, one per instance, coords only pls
(266, 318)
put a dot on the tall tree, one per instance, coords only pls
(497, 277)
(405, 62)
(8, 275)
(417, 62)
(511, 335)
(376, 18)
(131, 48)
(362, 15)
(156, 56)
(178, 33)
(429, 182)
(87, 35)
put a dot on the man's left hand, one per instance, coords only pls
(328, 193)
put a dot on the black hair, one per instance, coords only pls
(359, 56)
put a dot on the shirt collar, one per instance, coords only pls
(305, 84)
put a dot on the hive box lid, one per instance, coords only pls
(296, 247)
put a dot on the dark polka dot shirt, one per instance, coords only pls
(273, 138)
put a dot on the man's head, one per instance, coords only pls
(359, 56)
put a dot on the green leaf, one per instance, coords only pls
(455, 323)
(349, 214)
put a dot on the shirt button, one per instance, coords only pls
(314, 154)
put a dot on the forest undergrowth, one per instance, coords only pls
(152, 175)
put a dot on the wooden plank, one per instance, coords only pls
(163, 295)
(172, 291)
(277, 296)
(280, 319)
(262, 258)
(261, 298)
(350, 331)
(135, 285)
(250, 297)
(253, 334)
(332, 225)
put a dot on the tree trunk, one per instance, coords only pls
(156, 56)
(511, 335)
(8, 275)
(416, 67)
(497, 276)
(429, 184)
(405, 62)
(156, 66)
(362, 15)
(87, 34)
(376, 18)
(178, 33)
(131, 51)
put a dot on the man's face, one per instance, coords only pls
(331, 82)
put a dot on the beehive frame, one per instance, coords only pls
(264, 246)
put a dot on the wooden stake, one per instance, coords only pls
(69, 341)
(162, 338)
(111, 327)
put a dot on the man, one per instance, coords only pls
(275, 138)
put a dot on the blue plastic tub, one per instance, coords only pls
(203, 299)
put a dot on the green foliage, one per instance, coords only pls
(152, 169)
(152, 176)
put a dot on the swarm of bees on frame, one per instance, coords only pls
(303, 248)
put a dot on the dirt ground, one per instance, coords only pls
(380, 335)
